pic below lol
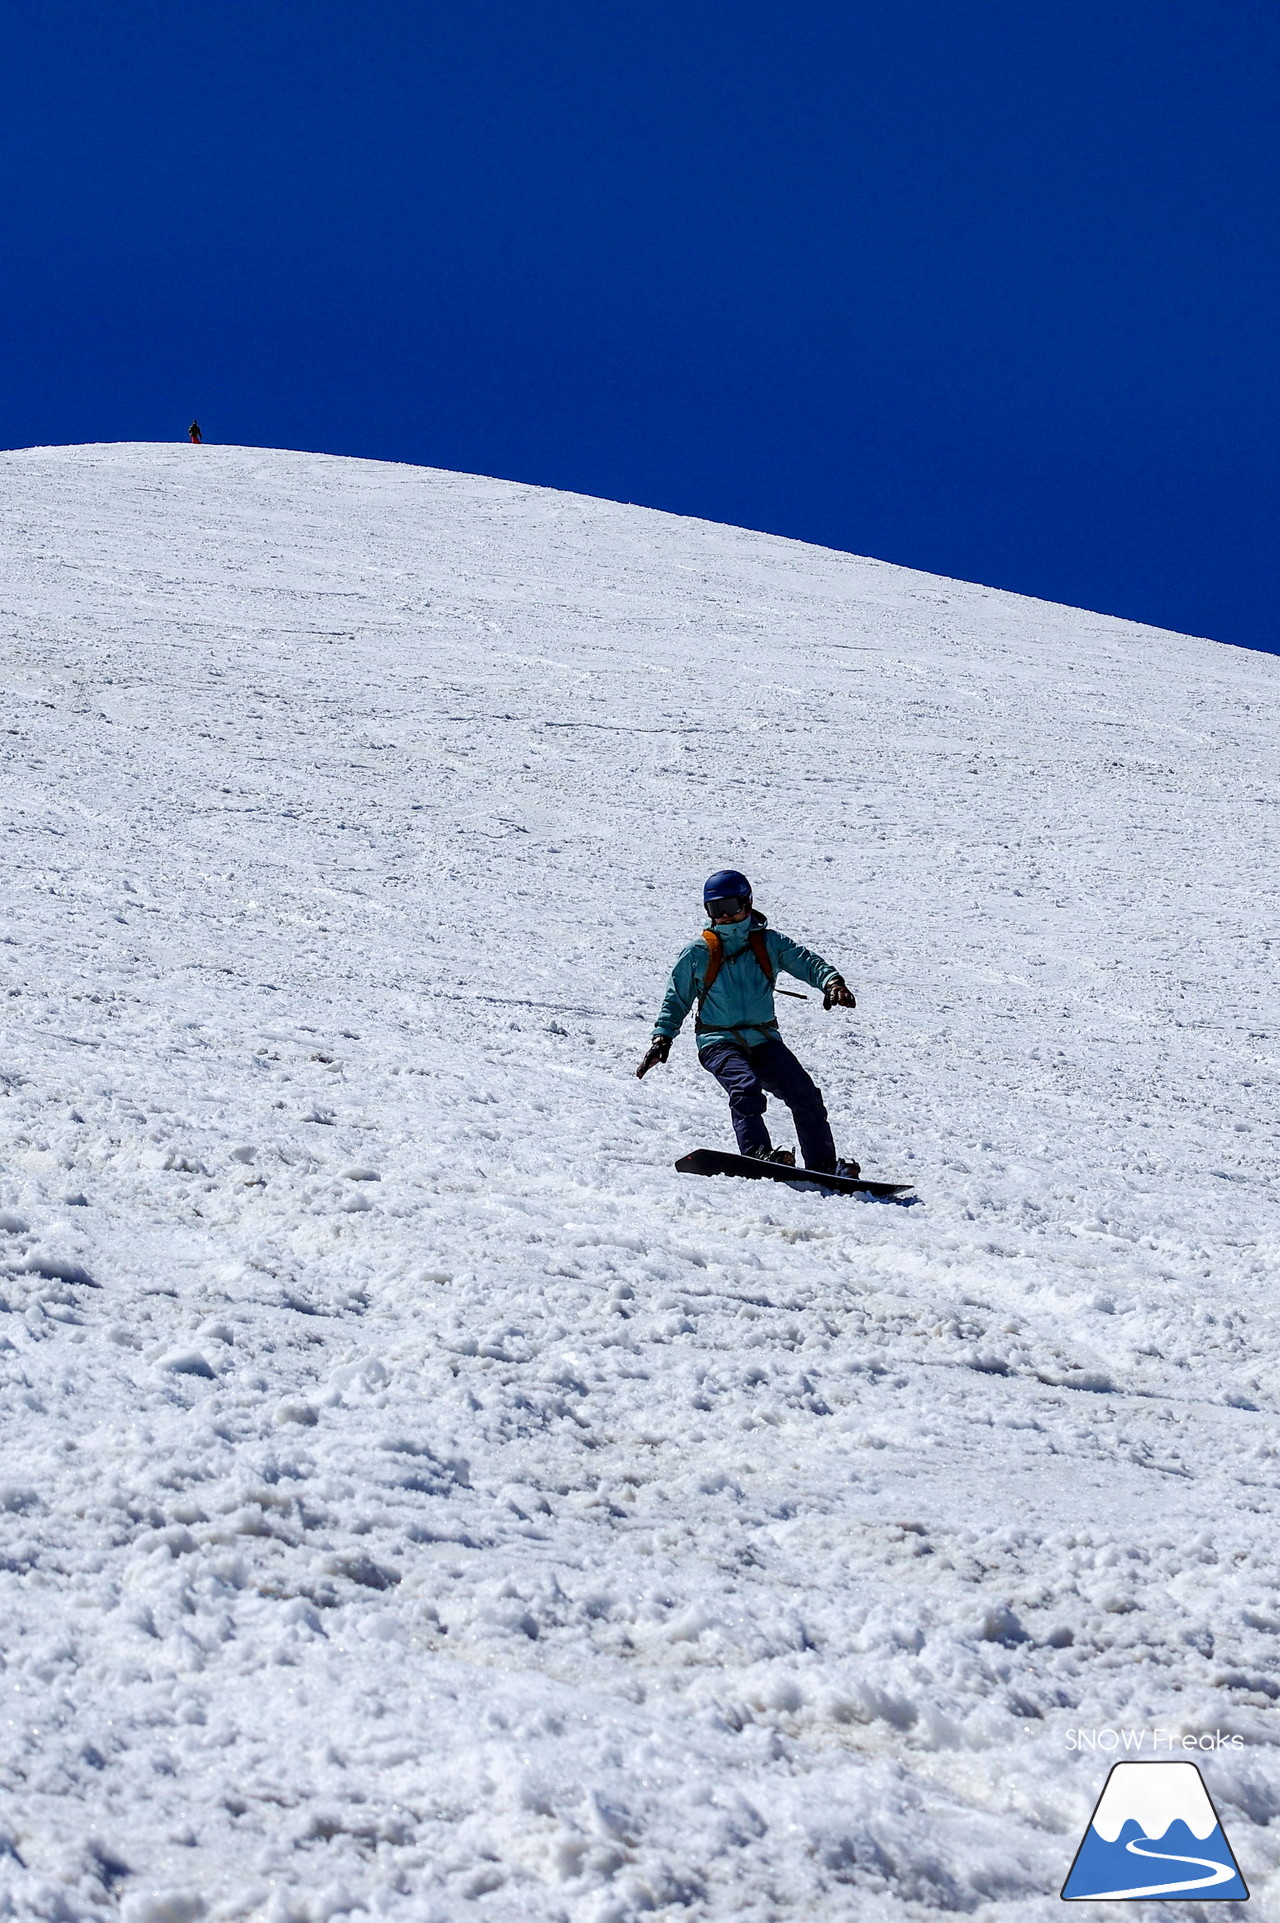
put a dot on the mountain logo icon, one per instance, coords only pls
(1154, 1833)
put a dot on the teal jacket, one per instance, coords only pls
(739, 1007)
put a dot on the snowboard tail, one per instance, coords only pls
(714, 1161)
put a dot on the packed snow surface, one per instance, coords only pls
(417, 1498)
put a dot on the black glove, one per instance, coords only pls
(659, 1049)
(836, 995)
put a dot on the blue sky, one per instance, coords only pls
(987, 287)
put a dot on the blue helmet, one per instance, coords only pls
(724, 886)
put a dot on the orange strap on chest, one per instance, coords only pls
(755, 942)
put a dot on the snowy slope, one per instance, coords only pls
(416, 1498)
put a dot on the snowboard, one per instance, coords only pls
(714, 1161)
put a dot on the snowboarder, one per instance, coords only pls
(730, 973)
(194, 434)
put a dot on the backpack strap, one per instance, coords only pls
(760, 949)
(715, 962)
(755, 942)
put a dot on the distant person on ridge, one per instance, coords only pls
(729, 971)
(193, 432)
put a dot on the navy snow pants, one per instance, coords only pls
(749, 1075)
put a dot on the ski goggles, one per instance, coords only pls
(725, 906)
